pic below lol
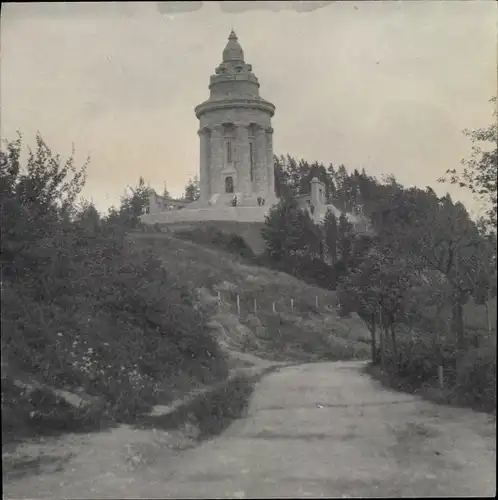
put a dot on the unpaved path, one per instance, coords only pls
(314, 430)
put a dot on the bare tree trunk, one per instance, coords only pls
(457, 320)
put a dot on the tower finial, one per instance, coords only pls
(233, 51)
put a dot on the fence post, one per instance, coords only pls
(255, 307)
(238, 304)
(316, 301)
(292, 305)
(274, 311)
(440, 376)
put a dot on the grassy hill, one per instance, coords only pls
(304, 326)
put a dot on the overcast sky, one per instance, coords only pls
(387, 86)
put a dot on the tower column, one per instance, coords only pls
(270, 164)
(260, 183)
(242, 155)
(216, 181)
(204, 187)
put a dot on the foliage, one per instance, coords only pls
(166, 193)
(290, 231)
(134, 204)
(330, 235)
(192, 190)
(480, 171)
(345, 235)
(81, 306)
(210, 235)
(426, 254)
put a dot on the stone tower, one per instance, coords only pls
(236, 138)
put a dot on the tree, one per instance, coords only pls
(192, 190)
(331, 233)
(88, 218)
(294, 174)
(166, 193)
(440, 237)
(290, 231)
(282, 186)
(35, 200)
(83, 306)
(345, 237)
(480, 171)
(134, 204)
(377, 291)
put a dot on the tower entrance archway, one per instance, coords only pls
(229, 184)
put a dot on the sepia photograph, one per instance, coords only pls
(248, 249)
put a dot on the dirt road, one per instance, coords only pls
(313, 430)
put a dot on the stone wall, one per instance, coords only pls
(220, 213)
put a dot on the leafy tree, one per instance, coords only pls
(480, 171)
(294, 174)
(134, 204)
(341, 176)
(441, 236)
(289, 230)
(331, 234)
(377, 290)
(282, 187)
(345, 237)
(88, 218)
(82, 306)
(35, 199)
(192, 190)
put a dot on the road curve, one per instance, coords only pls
(329, 430)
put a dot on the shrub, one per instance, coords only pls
(476, 377)
(83, 308)
(211, 235)
(469, 375)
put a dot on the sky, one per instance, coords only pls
(385, 86)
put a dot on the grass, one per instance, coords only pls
(304, 333)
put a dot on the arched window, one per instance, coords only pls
(228, 184)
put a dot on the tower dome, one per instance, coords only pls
(233, 51)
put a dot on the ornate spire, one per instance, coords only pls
(233, 51)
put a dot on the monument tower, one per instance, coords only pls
(236, 160)
(236, 138)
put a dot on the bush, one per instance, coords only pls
(82, 307)
(476, 378)
(470, 376)
(306, 268)
(210, 235)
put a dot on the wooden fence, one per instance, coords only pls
(250, 305)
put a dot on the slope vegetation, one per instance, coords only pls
(259, 311)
